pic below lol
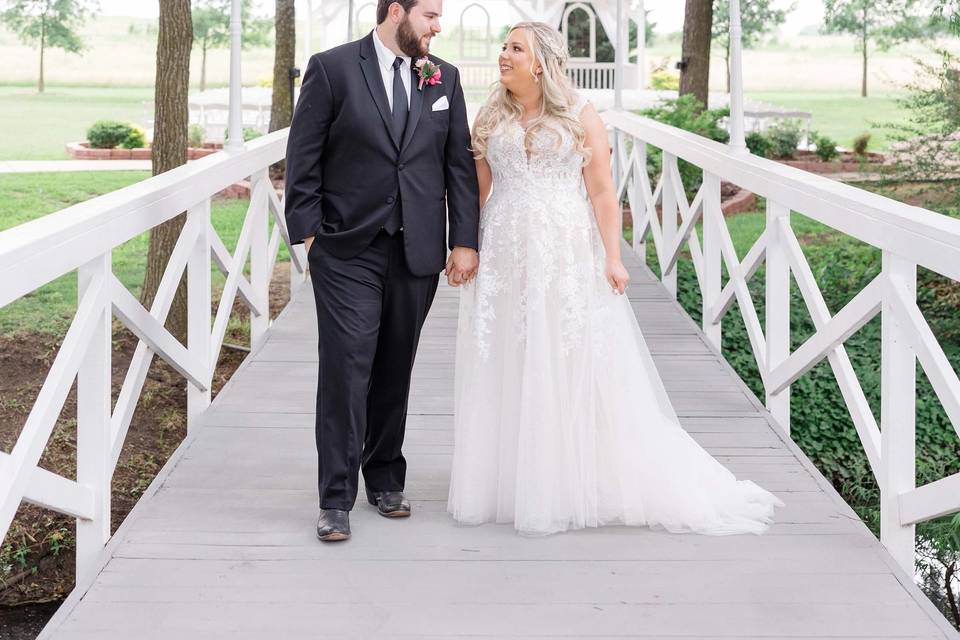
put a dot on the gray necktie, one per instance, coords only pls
(400, 107)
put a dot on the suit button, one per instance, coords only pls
(400, 166)
(390, 199)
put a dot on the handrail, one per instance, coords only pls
(81, 238)
(908, 237)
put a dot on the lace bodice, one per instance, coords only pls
(553, 164)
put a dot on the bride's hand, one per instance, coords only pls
(617, 276)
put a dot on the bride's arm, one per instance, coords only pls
(485, 178)
(603, 196)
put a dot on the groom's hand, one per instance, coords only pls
(306, 244)
(462, 266)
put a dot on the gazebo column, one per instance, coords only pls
(737, 136)
(620, 57)
(308, 34)
(235, 122)
(641, 21)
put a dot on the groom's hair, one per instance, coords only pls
(383, 5)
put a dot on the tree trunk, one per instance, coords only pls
(728, 65)
(863, 41)
(203, 67)
(284, 59)
(174, 42)
(697, 26)
(43, 46)
(281, 109)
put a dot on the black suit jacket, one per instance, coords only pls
(345, 170)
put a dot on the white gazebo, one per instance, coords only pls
(613, 15)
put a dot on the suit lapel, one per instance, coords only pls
(370, 66)
(416, 106)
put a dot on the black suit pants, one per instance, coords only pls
(370, 310)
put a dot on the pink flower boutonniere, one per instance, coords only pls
(429, 72)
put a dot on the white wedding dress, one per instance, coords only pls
(562, 421)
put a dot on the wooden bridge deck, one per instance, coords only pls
(222, 545)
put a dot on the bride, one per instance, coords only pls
(562, 421)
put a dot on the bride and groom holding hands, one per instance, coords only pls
(561, 419)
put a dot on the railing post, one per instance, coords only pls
(199, 309)
(712, 216)
(777, 307)
(259, 260)
(94, 444)
(639, 201)
(669, 219)
(898, 388)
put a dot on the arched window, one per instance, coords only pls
(475, 35)
(365, 19)
(580, 32)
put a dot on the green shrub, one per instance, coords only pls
(249, 133)
(136, 140)
(826, 148)
(860, 144)
(108, 134)
(784, 138)
(759, 144)
(665, 81)
(196, 135)
(688, 114)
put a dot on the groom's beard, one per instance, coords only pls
(409, 42)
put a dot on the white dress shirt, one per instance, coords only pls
(386, 58)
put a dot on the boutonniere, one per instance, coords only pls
(429, 72)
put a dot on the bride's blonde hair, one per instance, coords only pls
(559, 96)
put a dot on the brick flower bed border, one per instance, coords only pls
(81, 151)
(808, 161)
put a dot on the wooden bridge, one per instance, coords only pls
(222, 544)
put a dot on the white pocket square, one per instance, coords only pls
(441, 104)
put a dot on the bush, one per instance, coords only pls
(249, 133)
(196, 135)
(759, 144)
(108, 134)
(784, 139)
(136, 140)
(665, 81)
(860, 144)
(688, 114)
(826, 148)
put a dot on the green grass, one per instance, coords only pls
(841, 115)
(30, 196)
(38, 126)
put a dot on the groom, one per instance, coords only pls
(378, 157)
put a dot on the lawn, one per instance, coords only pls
(841, 115)
(37, 126)
(29, 196)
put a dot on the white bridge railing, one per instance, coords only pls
(81, 238)
(908, 236)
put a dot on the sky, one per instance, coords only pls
(668, 14)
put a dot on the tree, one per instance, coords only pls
(695, 58)
(949, 10)
(885, 22)
(284, 59)
(757, 18)
(49, 23)
(174, 42)
(211, 29)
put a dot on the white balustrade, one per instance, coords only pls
(908, 236)
(81, 238)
